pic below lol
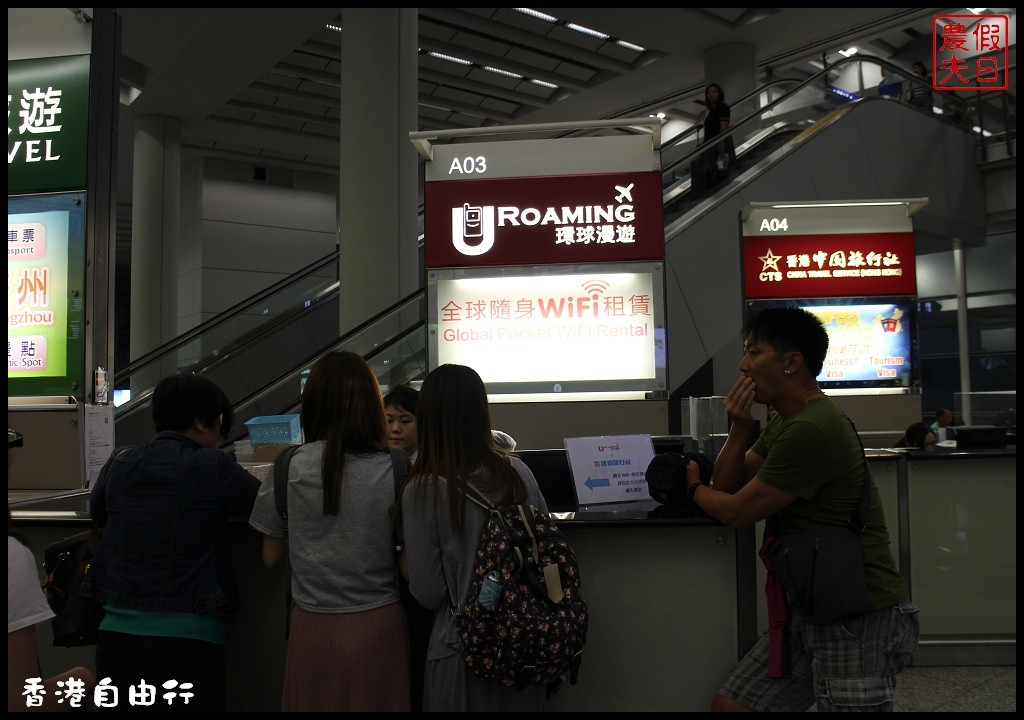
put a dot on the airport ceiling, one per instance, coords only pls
(262, 84)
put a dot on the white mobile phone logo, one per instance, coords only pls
(474, 223)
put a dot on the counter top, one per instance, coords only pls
(72, 507)
(637, 512)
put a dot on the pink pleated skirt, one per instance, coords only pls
(347, 662)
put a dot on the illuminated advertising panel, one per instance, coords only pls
(545, 266)
(45, 294)
(47, 124)
(872, 341)
(562, 330)
(830, 249)
(828, 265)
(614, 217)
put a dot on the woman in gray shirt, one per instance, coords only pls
(348, 648)
(456, 449)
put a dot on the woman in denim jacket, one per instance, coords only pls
(162, 569)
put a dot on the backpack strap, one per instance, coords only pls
(281, 463)
(400, 467)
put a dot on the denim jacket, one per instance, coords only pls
(164, 507)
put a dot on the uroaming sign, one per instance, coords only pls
(570, 219)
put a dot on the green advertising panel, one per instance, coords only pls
(47, 124)
(46, 294)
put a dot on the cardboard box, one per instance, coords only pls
(268, 452)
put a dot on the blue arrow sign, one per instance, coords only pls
(596, 482)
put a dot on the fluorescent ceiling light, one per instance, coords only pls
(536, 14)
(849, 52)
(587, 31)
(543, 83)
(630, 46)
(449, 58)
(332, 28)
(499, 71)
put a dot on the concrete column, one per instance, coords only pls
(377, 197)
(156, 196)
(734, 67)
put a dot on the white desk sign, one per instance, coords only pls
(609, 468)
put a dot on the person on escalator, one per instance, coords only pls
(721, 156)
(715, 161)
(919, 90)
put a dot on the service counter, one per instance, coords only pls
(675, 598)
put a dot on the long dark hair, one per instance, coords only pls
(721, 93)
(342, 405)
(453, 429)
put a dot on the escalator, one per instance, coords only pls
(242, 349)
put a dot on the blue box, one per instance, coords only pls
(274, 429)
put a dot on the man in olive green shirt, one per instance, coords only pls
(807, 470)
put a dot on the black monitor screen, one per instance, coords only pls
(673, 443)
(979, 437)
(551, 468)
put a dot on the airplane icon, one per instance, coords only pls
(625, 193)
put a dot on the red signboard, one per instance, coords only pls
(971, 52)
(614, 217)
(823, 265)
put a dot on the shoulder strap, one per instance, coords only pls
(473, 495)
(860, 514)
(400, 465)
(281, 463)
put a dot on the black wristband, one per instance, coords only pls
(693, 489)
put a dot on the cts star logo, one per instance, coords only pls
(771, 261)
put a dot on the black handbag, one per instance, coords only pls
(822, 571)
(666, 476)
(66, 563)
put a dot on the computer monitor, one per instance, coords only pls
(674, 443)
(980, 437)
(551, 468)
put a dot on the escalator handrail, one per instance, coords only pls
(122, 374)
(809, 82)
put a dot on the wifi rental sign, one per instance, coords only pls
(611, 217)
(493, 323)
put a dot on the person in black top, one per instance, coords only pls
(919, 90)
(716, 160)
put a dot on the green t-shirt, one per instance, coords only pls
(816, 456)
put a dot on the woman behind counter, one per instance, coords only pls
(162, 571)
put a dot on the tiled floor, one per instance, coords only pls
(957, 689)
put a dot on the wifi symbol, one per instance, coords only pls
(595, 287)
